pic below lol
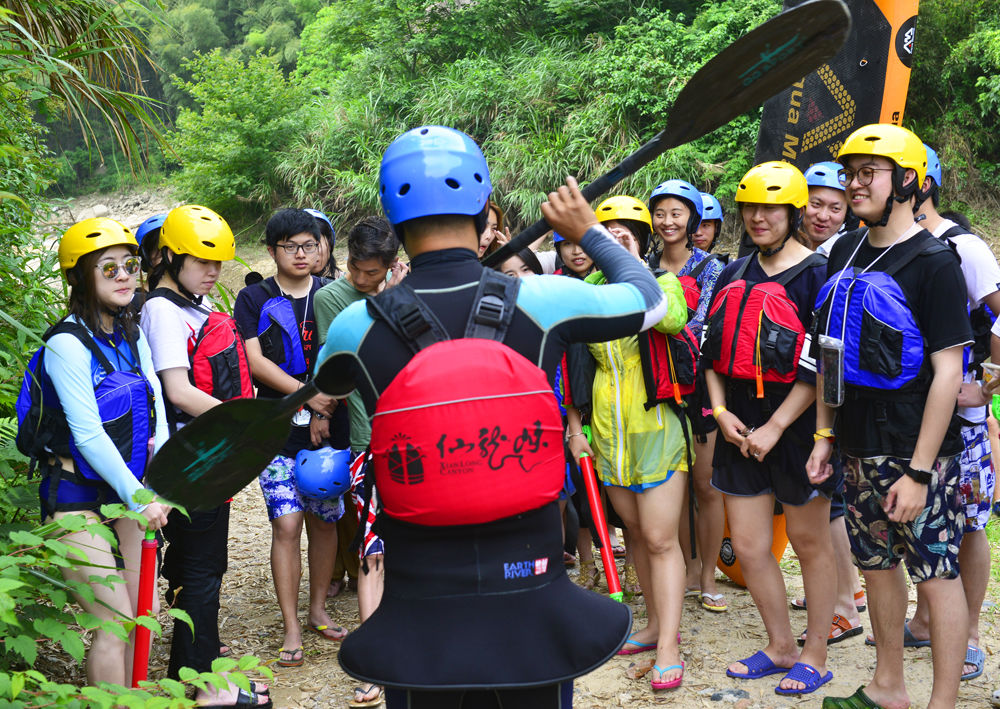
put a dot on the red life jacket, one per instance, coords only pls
(669, 365)
(753, 331)
(468, 426)
(218, 355)
(692, 288)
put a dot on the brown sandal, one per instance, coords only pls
(590, 575)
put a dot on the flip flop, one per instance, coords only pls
(860, 602)
(692, 593)
(670, 684)
(639, 647)
(841, 624)
(909, 639)
(758, 665)
(376, 701)
(808, 675)
(339, 633)
(293, 662)
(244, 700)
(974, 656)
(714, 602)
(858, 700)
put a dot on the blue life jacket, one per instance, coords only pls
(278, 331)
(884, 348)
(124, 403)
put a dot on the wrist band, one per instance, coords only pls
(823, 433)
(718, 411)
(578, 433)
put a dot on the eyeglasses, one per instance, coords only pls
(307, 248)
(865, 175)
(111, 268)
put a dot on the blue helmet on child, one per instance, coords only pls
(325, 219)
(933, 165)
(824, 174)
(433, 170)
(323, 474)
(711, 208)
(684, 191)
(148, 246)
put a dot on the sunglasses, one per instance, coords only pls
(110, 269)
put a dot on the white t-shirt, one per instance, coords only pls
(547, 260)
(982, 277)
(170, 329)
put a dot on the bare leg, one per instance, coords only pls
(751, 531)
(370, 585)
(847, 575)
(711, 513)
(949, 635)
(322, 554)
(812, 545)
(286, 568)
(887, 610)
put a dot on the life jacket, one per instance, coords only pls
(218, 356)
(669, 366)
(884, 349)
(754, 332)
(691, 283)
(278, 331)
(463, 416)
(980, 318)
(124, 404)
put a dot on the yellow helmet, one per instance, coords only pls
(623, 207)
(885, 140)
(774, 182)
(91, 235)
(198, 231)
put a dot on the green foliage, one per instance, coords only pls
(35, 607)
(246, 116)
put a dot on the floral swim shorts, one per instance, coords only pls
(282, 496)
(929, 544)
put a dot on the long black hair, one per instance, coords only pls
(84, 304)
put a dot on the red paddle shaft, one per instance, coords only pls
(597, 513)
(144, 606)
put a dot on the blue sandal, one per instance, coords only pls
(758, 665)
(976, 657)
(807, 675)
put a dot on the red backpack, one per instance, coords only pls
(468, 425)
(753, 330)
(218, 355)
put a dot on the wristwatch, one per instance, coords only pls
(923, 477)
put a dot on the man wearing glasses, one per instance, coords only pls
(276, 319)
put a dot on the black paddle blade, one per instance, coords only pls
(755, 67)
(220, 452)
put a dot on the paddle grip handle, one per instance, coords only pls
(144, 606)
(597, 514)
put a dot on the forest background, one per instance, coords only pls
(248, 105)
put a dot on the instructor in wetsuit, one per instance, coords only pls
(520, 647)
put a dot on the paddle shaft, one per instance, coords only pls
(597, 514)
(144, 606)
(777, 55)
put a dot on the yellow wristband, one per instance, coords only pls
(823, 433)
(718, 411)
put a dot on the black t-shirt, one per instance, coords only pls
(935, 291)
(246, 312)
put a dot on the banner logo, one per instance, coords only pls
(904, 41)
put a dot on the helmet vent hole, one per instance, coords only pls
(93, 235)
(773, 188)
(383, 189)
(209, 244)
(404, 189)
(205, 218)
(452, 182)
(872, 138)
(479, 178)
(425, 131)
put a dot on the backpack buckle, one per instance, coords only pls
(489, 311)
(412, 322)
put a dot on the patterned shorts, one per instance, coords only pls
(282, 497)
(929, 544)
(977, 478)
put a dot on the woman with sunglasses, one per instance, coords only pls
(96, 357)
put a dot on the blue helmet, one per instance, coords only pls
(684, 191)
(933, 165)
(433, 170)
(557, 237)
(323, 474)
(325, 219)
(824, 174)
(149, 228)
(710, 208)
